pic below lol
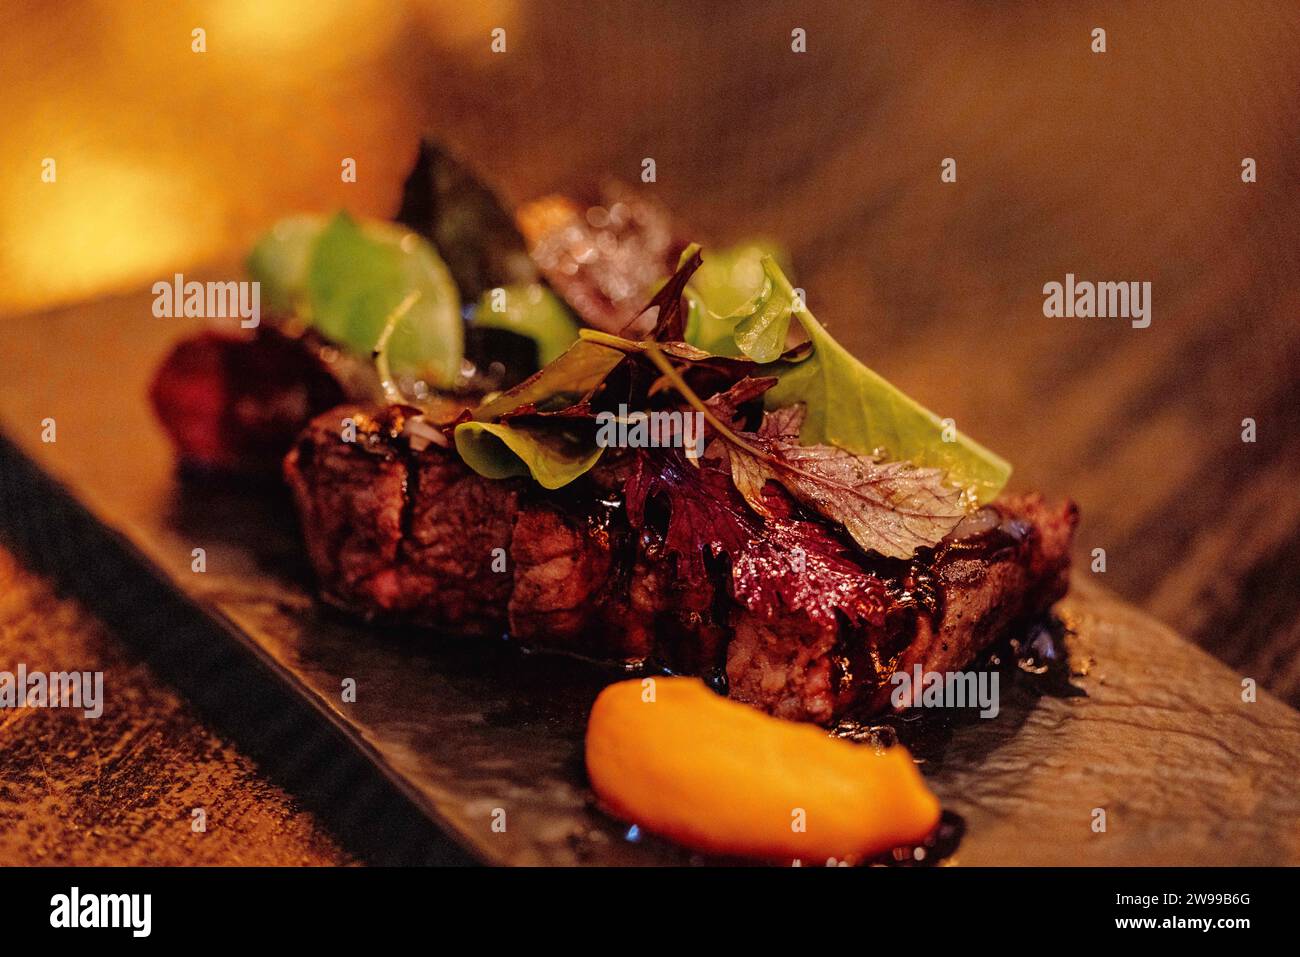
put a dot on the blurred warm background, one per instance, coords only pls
(167, 157)
(1123, 165)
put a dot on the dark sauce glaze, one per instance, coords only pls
(914, 589)
(938, 846)
(1032, 662)
(985, 535)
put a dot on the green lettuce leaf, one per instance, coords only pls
(729, 279)
(553, 457)
(761, 332)
(735, 307)
(346, 277)
(566, 380)
(281, 259)
(529, 310)
(550, 451)
(853, 408)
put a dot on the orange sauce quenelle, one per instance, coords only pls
(673, 757)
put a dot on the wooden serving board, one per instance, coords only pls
(1153, 731)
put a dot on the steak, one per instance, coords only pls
(399, 532)
(235, 403)
(400, 536)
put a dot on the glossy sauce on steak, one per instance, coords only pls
(402, 534)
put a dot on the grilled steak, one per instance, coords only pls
(235, 403)
(410, 535)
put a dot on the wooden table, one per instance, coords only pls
(1117, 166)
(123, 789)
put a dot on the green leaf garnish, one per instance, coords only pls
(345, 278)
(553, 457)
(529, 310)
(392, 391)
(358, 276)
(708, 331)
(762, 331)
(734, 305)
(553, 454)
(281, 259)
(550, 451)
(570, 377)
(729, 279)
(851, 407)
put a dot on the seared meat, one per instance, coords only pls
(784, 666)
(397, 535)
(565, 578)
(235, 403)
(1004, 564)
(1009, 562)
(416, 536)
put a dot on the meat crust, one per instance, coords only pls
(234, 403)
(399, 536)
(416, 536)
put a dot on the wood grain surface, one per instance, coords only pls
(121, 789)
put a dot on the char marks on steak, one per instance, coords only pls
(410, 535)
(397, 535)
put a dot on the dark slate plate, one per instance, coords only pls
(1142, 724)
